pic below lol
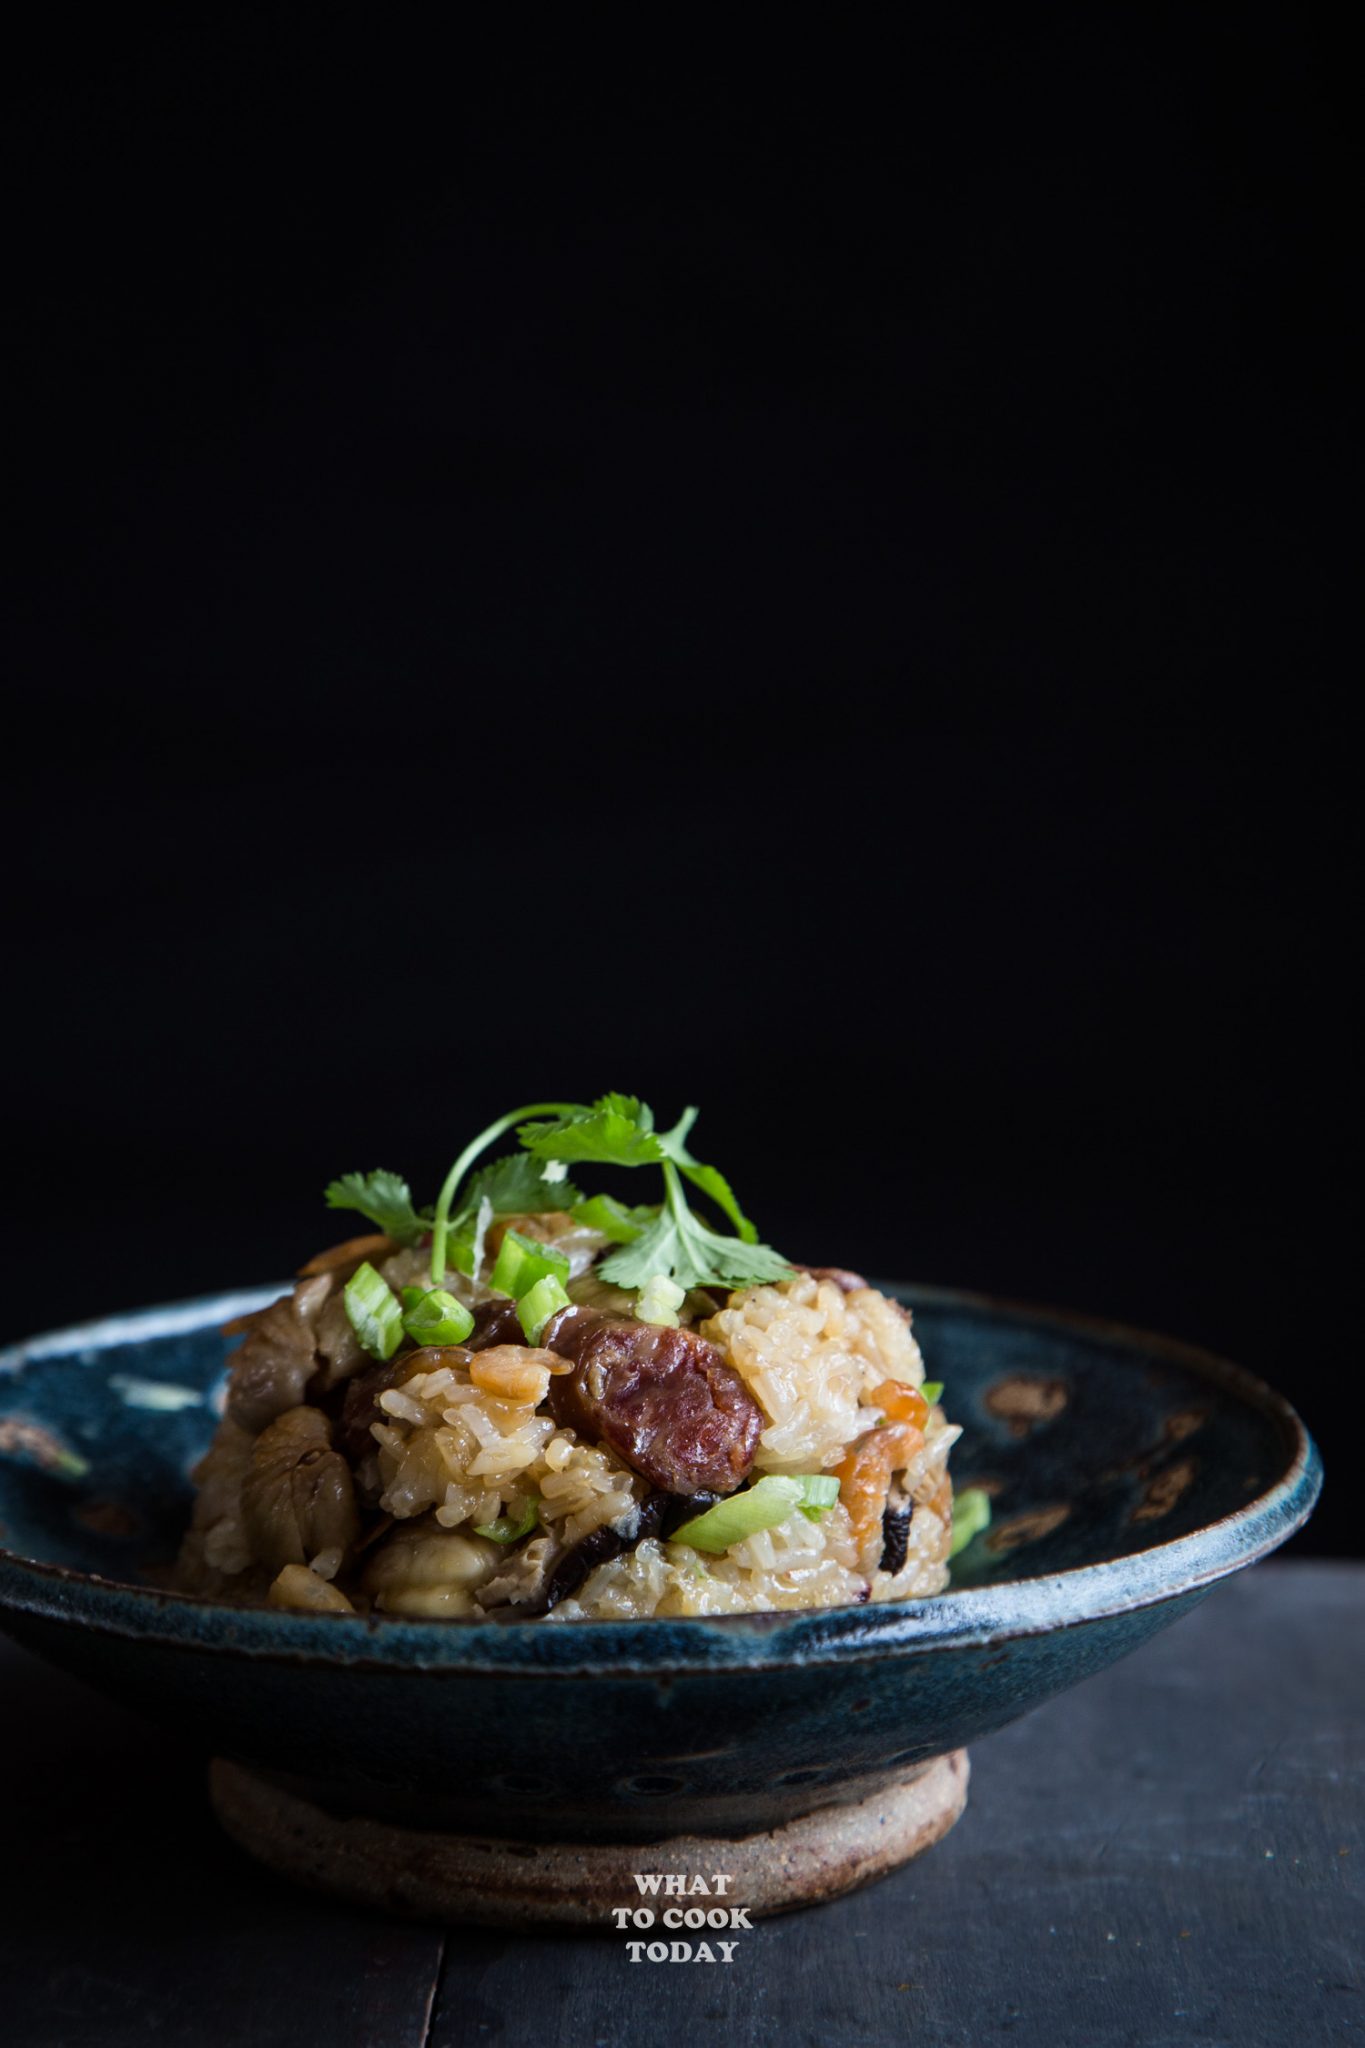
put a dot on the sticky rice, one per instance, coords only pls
(457, 1492)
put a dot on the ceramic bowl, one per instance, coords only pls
(1129, 1473)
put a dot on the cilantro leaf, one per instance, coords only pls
(617, 1130)
(681, 1246)
(628, 1106)
(709, 1179)
(516, 1186)
(385, 1198)
(617, 1222)
(686, 1251)
(712, 1182)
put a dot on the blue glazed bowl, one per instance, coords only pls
(1129, 1474)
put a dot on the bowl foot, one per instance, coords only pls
(499, 1883)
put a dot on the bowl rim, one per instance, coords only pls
(964, 1617)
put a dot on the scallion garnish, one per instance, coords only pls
(821, 1492)
(374, 1312)
(521, 1261)
(667, 1239)
(660, 1300)
(538, 1304)
(971, 1514)
(435, 1317)
(932, 1391)
(765, 1505)
(508, 1529)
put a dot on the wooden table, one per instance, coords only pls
(1171, 1853)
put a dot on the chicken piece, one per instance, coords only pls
(298, 1499)
(215, 1545)
(278, 1357)
(339, 1352)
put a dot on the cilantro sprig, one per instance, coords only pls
(666, 1240)
(515, 1186)
(440, 1226)
(679, 1245)
(618, 1130)
(670, 1240)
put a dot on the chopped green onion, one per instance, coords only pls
(821, 1492)
(971, 1514)
(932, 1391)
(522, 1261)
(374, 1312)
(436, 1317)
(505, 1530)
(538, 1304)
(764, 1505)
(660, 1300)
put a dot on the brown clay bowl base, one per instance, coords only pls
(498, 1883)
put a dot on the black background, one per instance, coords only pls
(796, 574)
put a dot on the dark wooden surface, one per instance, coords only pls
(1170, 1854)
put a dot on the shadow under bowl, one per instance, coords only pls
(1129, 1473)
